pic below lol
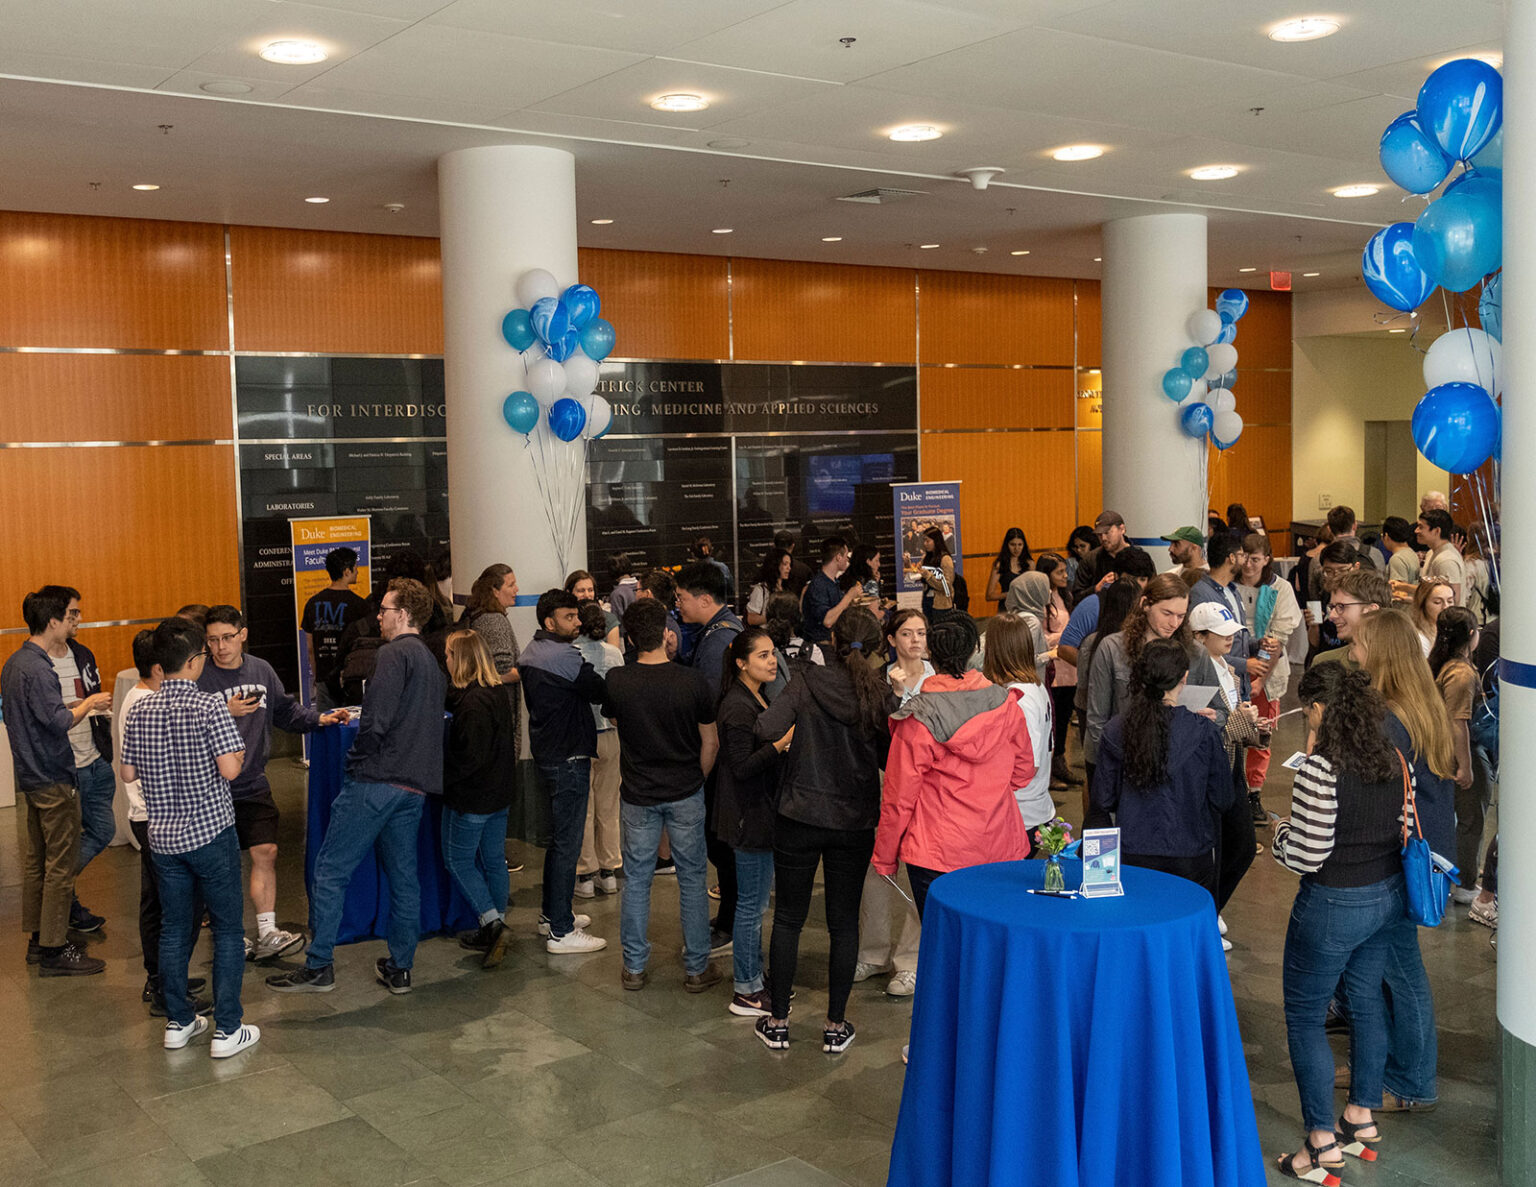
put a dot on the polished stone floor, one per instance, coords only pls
(546, 1072)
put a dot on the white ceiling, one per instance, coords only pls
(795, 117)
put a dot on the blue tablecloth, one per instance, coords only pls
(1073, 1043)
(366, 913)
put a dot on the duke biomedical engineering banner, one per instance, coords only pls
(312, 540)
(916, 507)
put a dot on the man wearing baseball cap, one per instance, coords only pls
(1186, 548)
(1109, 527)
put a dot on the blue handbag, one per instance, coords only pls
(1426, 874)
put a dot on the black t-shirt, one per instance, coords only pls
(326, 615)
(658, 708)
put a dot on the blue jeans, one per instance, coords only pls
(641, 826)
(468, 836)
(1413, 1050)
(754, 877)
(568, 784)
(210, 874)
(365, 816)
(98, 826)
(1339, 931)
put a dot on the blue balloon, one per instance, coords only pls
(1456, 426)
(597, 340)
(1228, 334)
(1176, 384)
(1490, 306)
(583, 304)
(564, 347)
(521, 411)
(1489, 181)
(1462, 105)
(517, 329)
(1411, 156)
(1197, 419)
(567, 418)
(1228, 379)
(1194, 362)
(1459, 238)
(1391, 268)
(1233, 302)
(1492, 154)
(550, 320)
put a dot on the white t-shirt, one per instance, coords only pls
(757, 599)
(134, 790)
(1034, 800)
(72, 689)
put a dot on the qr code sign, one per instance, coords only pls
(1091, 847)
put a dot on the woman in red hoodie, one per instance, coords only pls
(958, 749)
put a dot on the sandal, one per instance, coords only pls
(1363, 1148)
(1321, 1172)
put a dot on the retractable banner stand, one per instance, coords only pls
(312, 540)
(917, 507)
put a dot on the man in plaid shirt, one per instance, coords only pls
(182, 746)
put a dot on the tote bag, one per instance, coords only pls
(1428, 880)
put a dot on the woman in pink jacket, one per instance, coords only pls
(958, 750)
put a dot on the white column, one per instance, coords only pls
(1517, 624)
(502, 210)
(1154, 278)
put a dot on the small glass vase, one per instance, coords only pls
(1055, 880)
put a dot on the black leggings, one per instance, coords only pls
(920, 880)
(1061, 708)
(1201, 870)
(1235, 839)
(844, 854)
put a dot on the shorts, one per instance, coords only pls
(256, 820)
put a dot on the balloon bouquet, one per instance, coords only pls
(1201, 385)
(1457, 243)
(562, 340)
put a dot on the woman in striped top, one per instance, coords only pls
(1344, 838)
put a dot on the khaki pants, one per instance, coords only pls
(875, 909)
(600, 842)
(52, 853)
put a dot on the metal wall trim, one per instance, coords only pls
(339, 441)
(103, 444)
(84, 626)
(234, 415)
(1000, 366)
(102, 350)
(1019, 429)
(324, 354)
(753, 434)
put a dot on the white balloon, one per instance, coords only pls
(1465, 356)
(1224, 401)
(546, 381)
(536, 283)
(599, 417)
(1226, 428)
(1223, 356)
(580, 376)
(1205, 326)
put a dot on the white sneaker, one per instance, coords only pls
(1486, 913)
(225, 1045)
(178, 1036)
(1221, 925)
(581, 921)
(1226, 944)
(863, 972)
(585, 888)
(276, 943)
(903, 984)
(1464, 895)
(576, 941)
(608, 883)
(905, 1048)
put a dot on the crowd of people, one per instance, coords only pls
(825, 731)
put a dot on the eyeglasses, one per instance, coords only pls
(1342, 606)
(387, 609)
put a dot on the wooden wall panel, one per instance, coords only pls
(986, 397)
(1090, 324)
(969, 317)
(111, 645)
(150, 528)
(336, 293)
(114, 397)
(1264, 334)
(1008, 480)
(1263, 397)
(1090, 477)
(786, 310)
(662, 305)
(74, 281)
(1255, 472)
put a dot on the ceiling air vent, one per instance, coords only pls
(881, 197)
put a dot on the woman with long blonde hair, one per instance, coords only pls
(1429, 599)
(479, 768)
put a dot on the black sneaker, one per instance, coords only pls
(1335, 1022)
(304, 980)
(501, 939)
(477, 940)
(83, 920)
(200, 1005)
(775, 1038)
(1256, 808)
(393, 979)
(719, 943)
(69, 961)
(750, 1005)
(35, 953)
(667, 867)
(152, 986)
(835, 1042)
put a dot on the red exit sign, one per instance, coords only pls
(1280, 282)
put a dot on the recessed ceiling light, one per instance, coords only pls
(601, 222)
(1018, 253)
(679, 102)
(722, 230)
(1213, 172)
(1356, 191)
(293, 53)
(225, 86)
(1098, 259)
(914, 132)
(831, 238)
(146, 187)
(1078, 152)
(929, 246)
(1397, 331)
(1311, 274)
(317, 201)
(1306, 28)
(1247, 269)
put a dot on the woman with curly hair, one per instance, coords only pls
(1163, 773)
